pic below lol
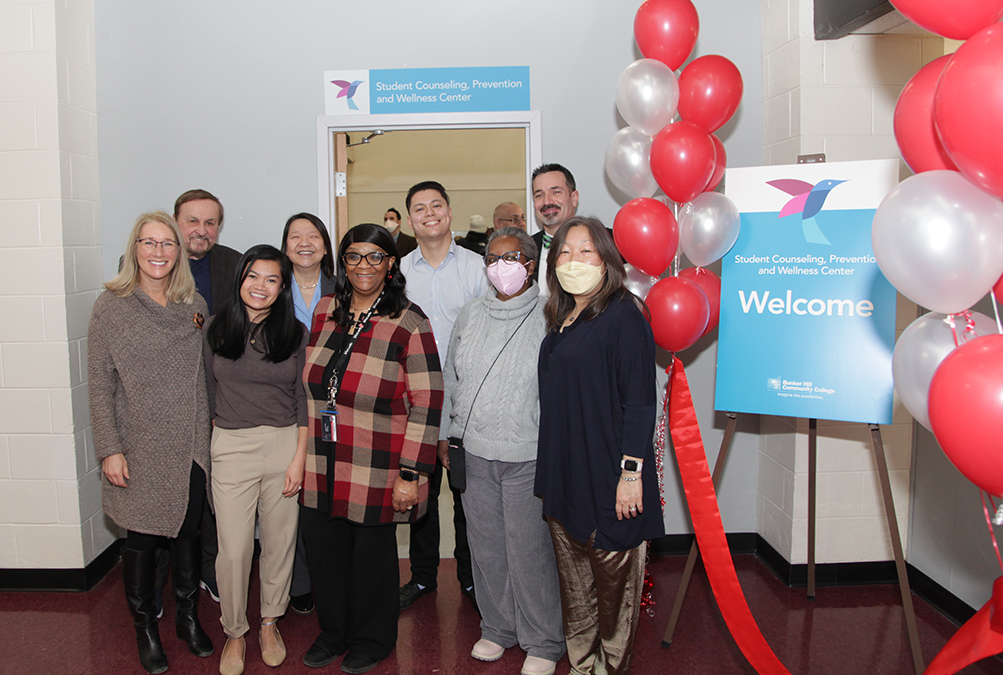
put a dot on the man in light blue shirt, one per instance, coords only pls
(441, 278)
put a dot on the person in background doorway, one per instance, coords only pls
(476, 239)
(405, 242)
(509, 214)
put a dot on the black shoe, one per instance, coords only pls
(186, 555)
(410, 592)
(302, 604)
(356, 663)
(158, 604)
(137, 573)
(319, 656)
(469, 592)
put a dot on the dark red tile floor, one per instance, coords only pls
(845, 630)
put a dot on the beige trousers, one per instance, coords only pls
(248, 474)
(600, 602)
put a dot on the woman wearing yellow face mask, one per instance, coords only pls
(596, 464)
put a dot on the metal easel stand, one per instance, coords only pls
(893, 530)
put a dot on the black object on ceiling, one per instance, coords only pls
(837, 18)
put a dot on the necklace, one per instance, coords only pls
(307, 288)
(254, 332)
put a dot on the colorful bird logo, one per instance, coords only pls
(348, 91)
(807, 200)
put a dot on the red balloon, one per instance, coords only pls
(666, 30)
(720, 163)
(998, 289)
(968, 109)
(679, 313)
(682, 160)
(647, 235)
(710, 89)
(917, 138)
(966, 410)
(710, 284)
(958, 19)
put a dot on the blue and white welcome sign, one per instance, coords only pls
(426, 90)
(807, 319)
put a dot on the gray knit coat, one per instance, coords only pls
(505, 417)
(148, 401)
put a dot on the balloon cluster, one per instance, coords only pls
(685, 159)
(938, 236)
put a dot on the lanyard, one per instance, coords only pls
(346, 350)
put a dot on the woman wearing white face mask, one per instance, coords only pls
(596, 466)
(493, 415)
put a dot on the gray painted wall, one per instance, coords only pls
(225, 95)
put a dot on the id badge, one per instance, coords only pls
(329, 425)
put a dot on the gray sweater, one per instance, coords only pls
(148, 401)
(505, 417)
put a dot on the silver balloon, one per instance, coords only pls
(939, 240)
(647, 93)
(638, 282)
(708, 228)
(920, 349)
(628, 165)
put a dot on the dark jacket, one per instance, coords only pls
(405, 244)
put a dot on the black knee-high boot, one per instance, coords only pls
(187, 555)
(137, 571)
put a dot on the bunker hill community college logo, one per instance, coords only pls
(348, 90)
(807, 200)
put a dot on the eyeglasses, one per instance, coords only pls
(514, 219)
(151, 245)
(373, 258)
(511, 256)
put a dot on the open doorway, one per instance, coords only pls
(481, 159)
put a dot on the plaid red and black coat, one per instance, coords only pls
(389, 406)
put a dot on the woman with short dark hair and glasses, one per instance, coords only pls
(596, 469)
(493, 416)
(374, 389)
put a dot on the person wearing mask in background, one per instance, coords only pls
(555, 199)
(441, 278)
(476, 239)
(405, 243)
(509, 214)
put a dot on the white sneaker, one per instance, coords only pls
(486, 650)
(534, 665)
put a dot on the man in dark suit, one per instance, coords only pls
(200, 217)
(405, 243)
(555, 200)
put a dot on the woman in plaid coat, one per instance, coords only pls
(374, 390)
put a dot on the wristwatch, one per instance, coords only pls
(409, 475)
(631, 464)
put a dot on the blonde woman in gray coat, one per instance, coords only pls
(150, 418)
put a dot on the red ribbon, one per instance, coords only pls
(706, 516)
(979, 638)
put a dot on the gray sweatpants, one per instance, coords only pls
(515, 572)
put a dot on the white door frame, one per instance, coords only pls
(328, 125)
